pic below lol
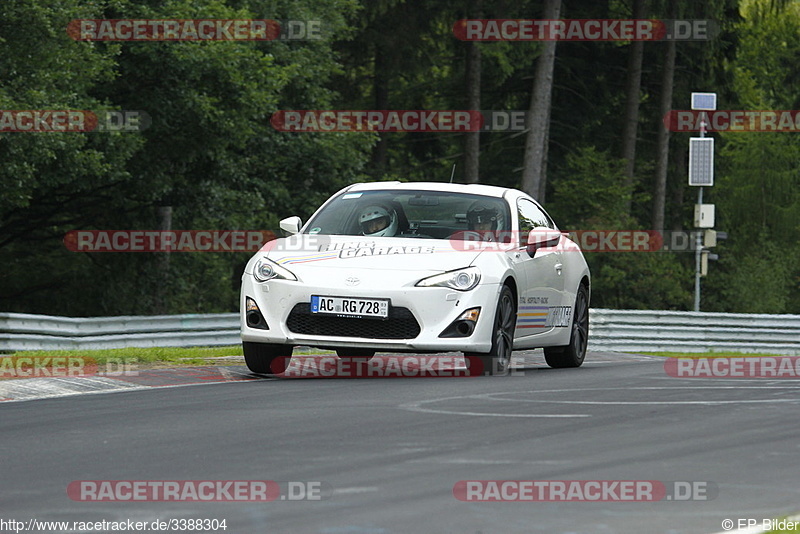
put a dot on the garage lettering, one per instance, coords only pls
(383, 251)
(341, 246)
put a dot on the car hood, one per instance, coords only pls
(305, 253)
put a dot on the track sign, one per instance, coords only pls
(701, 161)
(704, 215)
(705, 257)
(704, 101)
(710, 238)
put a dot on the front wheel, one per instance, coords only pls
(266, 358)
(572, 355)
(498, 360)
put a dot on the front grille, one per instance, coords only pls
(400, 324)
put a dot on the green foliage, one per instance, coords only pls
(590, 192)
(42, 68)
(758, 280)
(210, 152)
(212, 156)
(590, 195)
(640, 280)
(757, 193)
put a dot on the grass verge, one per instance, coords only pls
(145, 358)
(711, 354)
(151, 356)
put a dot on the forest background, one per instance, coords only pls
(598, 155)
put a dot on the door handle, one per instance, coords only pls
(558, 267)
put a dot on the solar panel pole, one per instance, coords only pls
(698, 243)
(701, 171)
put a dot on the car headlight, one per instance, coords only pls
(268, 270)
(461, 280)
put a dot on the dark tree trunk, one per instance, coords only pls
(381, 91)
(632, 97)
(662, 162)
(533, 172)
(472, 140)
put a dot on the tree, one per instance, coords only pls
(757, 196)
(662, 163)
(472, 140)
(534, 174)
(210, 154)
(630, 125)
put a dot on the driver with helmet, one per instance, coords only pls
(378, 221)
(484, 218)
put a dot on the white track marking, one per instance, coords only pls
(417, 407)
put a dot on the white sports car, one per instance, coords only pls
(418, 267)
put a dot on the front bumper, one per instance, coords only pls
(285, 307)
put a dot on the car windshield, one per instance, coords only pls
(424, 214)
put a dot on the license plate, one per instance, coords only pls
(353, 307)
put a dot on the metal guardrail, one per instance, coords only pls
(677, 331)
(610, 330)
(22, 331)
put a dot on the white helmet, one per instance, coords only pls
(377, 221)
(484, 212)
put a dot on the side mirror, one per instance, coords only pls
(542, 238)
(291, 225)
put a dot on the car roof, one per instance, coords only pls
(478, 189)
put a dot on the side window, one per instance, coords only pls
(530, 217)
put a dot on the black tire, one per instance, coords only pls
(498, 360)
(361, 354)
(266, 358)
(572, 355)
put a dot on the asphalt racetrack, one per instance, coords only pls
(383, 456)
